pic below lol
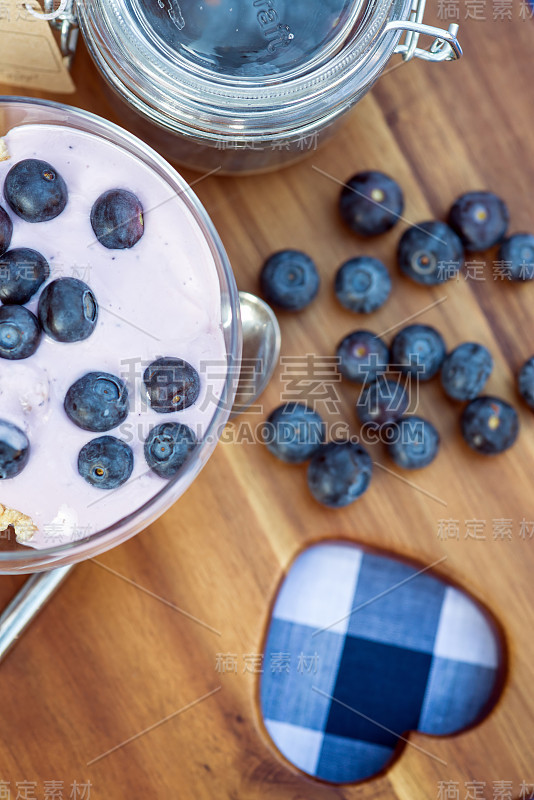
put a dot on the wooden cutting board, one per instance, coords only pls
(108, 663)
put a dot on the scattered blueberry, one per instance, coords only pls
(415, 443)
(22, 271)
(97, 402)
(465, 371)
(105, 462)
(480, 219)
(430, 253)
(67, 310)
(339, 473)
(19, 332)
(172, 384)
(371, 203)
(6, 230)
(362, 356)
(167, 448)
(293, 432)
(289, 280)
(418, 350)
(525, 382)
(117, 218)
(35, 191)
(382, 402)
(489, 425)
(14, 450)
(516, 255)
(362, 284)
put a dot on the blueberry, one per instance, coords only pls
(465, 371)
(362, 356)
(414, 443)
(289, 280)
(167, 448)
(35, 191)
(293, 432)
(19, 332)
(172, 384)
(480, 219)
(67, 310)
(6, 230)
(14, 450)
(525, 382)
(517, 256)
(22, 271)
(117, 218)
(418, 350)
(430, 253)
(339, 473)
(489, 425)
(382, 402)
(371, 203)
(105, 462)
(97, 402)
(362, 284)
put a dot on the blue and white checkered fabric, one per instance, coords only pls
(362, 649)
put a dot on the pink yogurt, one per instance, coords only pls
(159, 298)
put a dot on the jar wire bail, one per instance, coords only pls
(445, 46)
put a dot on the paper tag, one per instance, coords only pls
(29, 54)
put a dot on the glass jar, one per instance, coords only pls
(244, 85)
(15, 112)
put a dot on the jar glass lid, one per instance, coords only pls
(250, 38)
(241, 67)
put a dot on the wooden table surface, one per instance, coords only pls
(107, 662)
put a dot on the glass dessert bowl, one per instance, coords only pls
(196, 281)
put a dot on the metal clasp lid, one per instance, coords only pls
(67, 24)
(445, 46)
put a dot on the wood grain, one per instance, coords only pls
(106, 661)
